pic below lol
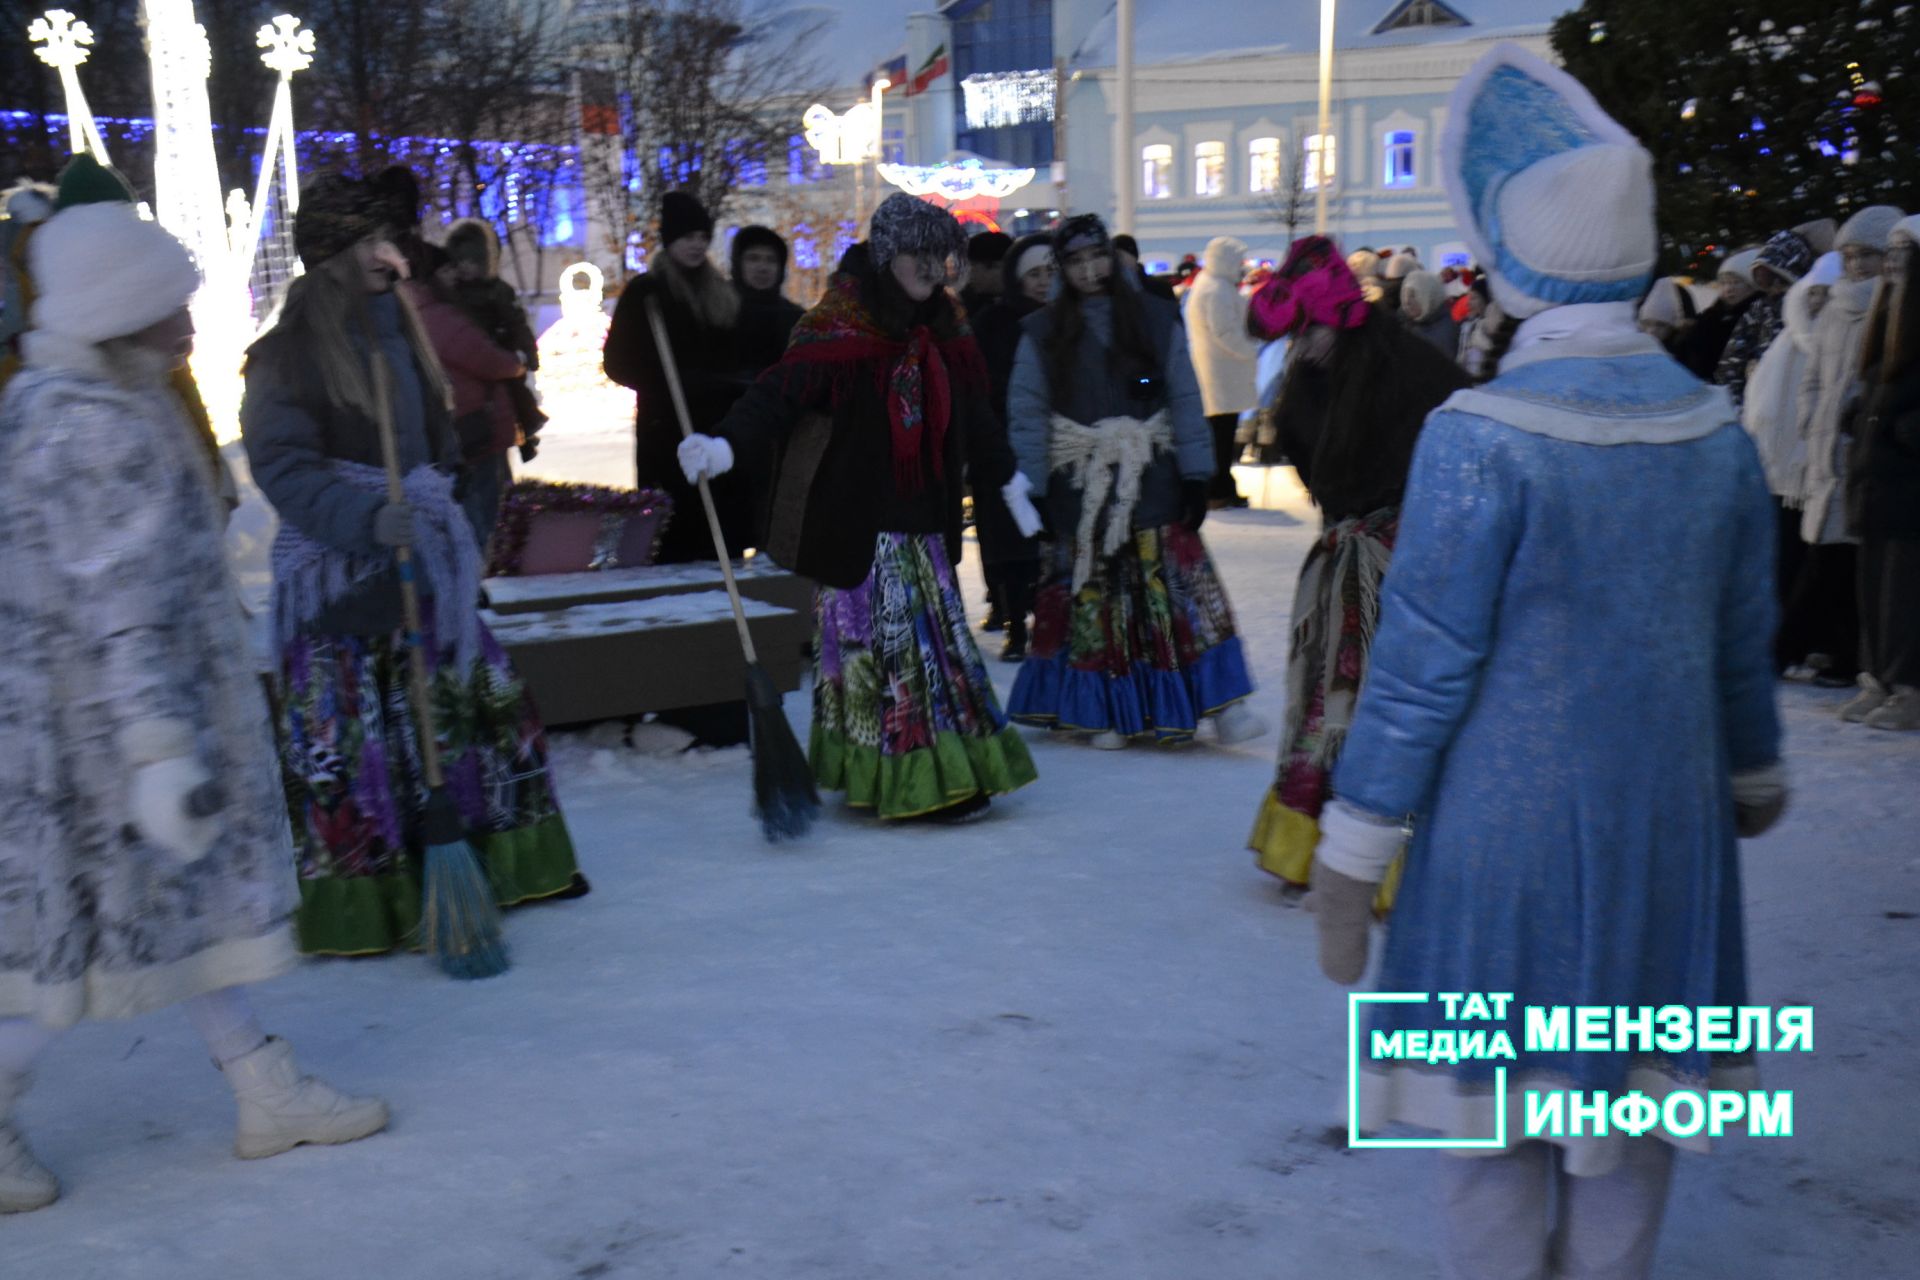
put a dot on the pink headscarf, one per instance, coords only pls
(1313, 286)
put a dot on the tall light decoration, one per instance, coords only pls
(270, 268)
(189, 203)
(64, 40)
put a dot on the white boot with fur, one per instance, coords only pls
(1237, 724)
(25, 1184)
(280, 1109)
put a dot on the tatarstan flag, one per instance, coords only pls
(932, 69)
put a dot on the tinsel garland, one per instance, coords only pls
(528, 499)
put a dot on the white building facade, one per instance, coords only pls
(1226, 138)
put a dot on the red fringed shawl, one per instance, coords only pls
(919, 376)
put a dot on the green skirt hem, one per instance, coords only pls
(926, 779)
(372, 915)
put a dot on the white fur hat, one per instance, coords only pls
(1663, 303)
(1826, 270)
(1402, 265)
(1870, 227)
(1741, 264)
(1907, 229)
(1552, 194)
(1363, 263)
(101, 271)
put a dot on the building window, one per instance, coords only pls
(1156, 172)
(1414, 14)
(1210, 169)
(1322, 160)
(1399, 153)
(1263, 165)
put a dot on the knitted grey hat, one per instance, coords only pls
(908, 224)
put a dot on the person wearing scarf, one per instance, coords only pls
(1133, 635)
(349, 742)
(1569, 708)
(872, 423)
(1355, 393)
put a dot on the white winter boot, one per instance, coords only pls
(281, 1109)
(25, 1185)
(1869, 700)
(1900, 712)
(1107, 740)
(1237, 724)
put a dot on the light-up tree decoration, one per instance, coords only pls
(270, 266)
(64, 40)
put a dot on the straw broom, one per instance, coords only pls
(784, 798)
(459, 922)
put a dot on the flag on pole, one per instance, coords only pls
(894, 73)
(932, 69)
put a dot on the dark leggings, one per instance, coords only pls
(1890, 610)
(1822, 615)
(1224, 425)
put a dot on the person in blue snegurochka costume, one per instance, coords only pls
(1570, 701)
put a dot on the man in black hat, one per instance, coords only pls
(985, 254)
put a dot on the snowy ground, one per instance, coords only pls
(1081, 1039)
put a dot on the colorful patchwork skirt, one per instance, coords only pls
(1145, 649)
(904, 718)
(350, 755)
(1336, 607)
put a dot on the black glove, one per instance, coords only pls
(1193, 504)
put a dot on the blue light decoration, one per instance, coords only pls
(533, 183)
(806, 254)
(844, 238)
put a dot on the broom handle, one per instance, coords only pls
(418, 688)
(665, 347)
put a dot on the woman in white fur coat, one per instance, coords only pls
(1226, 358)
(145, 858)
(1770, 412)
(1825, 597)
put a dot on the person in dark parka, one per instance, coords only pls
(1010, 561)
(767, 316)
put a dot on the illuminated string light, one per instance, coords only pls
(958, 180)
(999, 99)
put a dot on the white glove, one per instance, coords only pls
(1759, 798)
(1020, 506)
(393, 525)
(703, 457)
(166, 776)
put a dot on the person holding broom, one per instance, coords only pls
(357, 783)
(876, 411)
(144, 853)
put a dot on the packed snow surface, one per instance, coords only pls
(1081, 1038)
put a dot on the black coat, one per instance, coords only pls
(999, 330)
(853, 497)
(712, 379)
(1883, 470)
(1703, 345)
